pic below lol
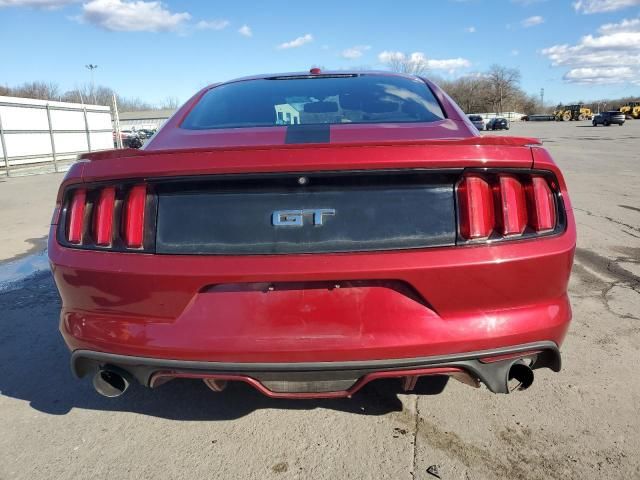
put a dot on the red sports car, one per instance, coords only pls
(309, 233)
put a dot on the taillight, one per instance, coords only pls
(103, 216)
(134, 216)
(512, 214)
(542, 207)
(76, 216)
(476, 208)
(493, 206)
(110, 217)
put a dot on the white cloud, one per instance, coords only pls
(613, 56)
(470, 29)
(298, 42)
(245, 30)
(419, 58)
(622, 40)
(355, 52)
(387, 56)
(449, 64)
(532, 21)
(47, 4)
(515, 52)
(475, 75)
(599, 6)
(632, 25)
(212, 24)
(599, 75)
(131, 16)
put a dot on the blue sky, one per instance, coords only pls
(574, 49)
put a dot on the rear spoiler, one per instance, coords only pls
(479, 141)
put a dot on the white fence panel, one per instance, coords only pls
(67, 120)
(37, 132)
(101, 140)
(99, 121)
(70, 142)
(19, 118)
(27, 144)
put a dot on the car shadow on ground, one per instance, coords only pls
(35, 368)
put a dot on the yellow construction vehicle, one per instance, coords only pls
(631, 109)
(572, 112)
(558, 113)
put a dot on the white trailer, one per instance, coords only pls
(46, 135)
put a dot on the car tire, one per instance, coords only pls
(594, 123)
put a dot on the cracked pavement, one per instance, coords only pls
(581, 423)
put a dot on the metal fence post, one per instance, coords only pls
(4, 148)
(116, 121)
(86, 126)
(53, 144)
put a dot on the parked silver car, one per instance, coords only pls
(477, 121)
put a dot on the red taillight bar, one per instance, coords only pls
(476, 208)
(76, 215)
(103, 217)
(495, 205)
(512, 215)
(542, 207)
(134, 216)
(106, 225)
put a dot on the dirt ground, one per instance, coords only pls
(583, 423)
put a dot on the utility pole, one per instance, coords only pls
(542, 98)
(91, 68)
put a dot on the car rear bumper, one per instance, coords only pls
(329, 379)
(299, 308)
(309, 308)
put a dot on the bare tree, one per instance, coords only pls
(37, 90)
(414, 64)
(491, 91)
(504, 83)
(470, 92)
(103, 96)
(170, 103)
(126, 104)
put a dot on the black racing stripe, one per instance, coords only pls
(308, 134)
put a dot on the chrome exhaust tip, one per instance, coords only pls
(215, 384)
(520, 377)
(110, 383)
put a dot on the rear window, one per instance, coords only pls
(315, 100)
(475, 118)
